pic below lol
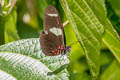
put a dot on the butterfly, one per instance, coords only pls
(52, 39)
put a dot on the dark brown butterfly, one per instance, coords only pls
(52, 39)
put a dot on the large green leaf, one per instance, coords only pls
(3, 15)
(24, 60)
(116, 6)
(112, 43)
(114, 18)
(112, 72)
(6, 76)
(106, 57)
(111, 38)
(86, 25)
(79, 76)
(10, 27)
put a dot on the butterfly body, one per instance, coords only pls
(52, 39)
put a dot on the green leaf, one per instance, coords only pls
(3, 8)
(112, 73)
(98, 7)
(24, 60)
(10, 28)
(6, 76)
(2, 21)
(41, 7)
(114, 18)
(116, 6)
(86, 25)
(26, 31)
(106, 57)
(80, 76)
(111, 38)
(112, 43)
(76, 49)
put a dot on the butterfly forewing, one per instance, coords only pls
(52, 18)
(53, 35)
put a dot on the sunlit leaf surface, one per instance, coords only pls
(86, 26)
(24, 60)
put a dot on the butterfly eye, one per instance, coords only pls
(68, 48)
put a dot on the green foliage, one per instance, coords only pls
(24, 61)
(10, 31)
(93, 23)
(83, 19)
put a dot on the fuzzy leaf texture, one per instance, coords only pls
(24, 60)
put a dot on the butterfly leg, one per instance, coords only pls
(65, 23)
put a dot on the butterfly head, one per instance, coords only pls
(68, 49)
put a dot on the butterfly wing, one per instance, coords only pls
(53, 34)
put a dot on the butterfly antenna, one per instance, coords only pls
(73, 43)
(77, 42)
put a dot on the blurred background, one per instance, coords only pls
(24, 19)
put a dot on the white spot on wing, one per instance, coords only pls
(55, 15)
(56, 31)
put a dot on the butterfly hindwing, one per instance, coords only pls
(47, 43)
